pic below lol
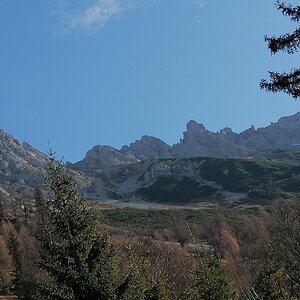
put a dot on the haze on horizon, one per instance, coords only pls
(80, 73)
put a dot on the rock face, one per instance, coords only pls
(23, 168)
(120, 173)
(198, 141)
(197, 179)
(100, 157)
(148, 147)
(285, 134)
(107, 172)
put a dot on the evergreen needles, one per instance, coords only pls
(77, 261)
(290, 42)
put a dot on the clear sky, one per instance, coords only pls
(76, 73)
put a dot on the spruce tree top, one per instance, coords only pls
(289, 42)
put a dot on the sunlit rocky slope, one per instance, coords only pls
(255, 165)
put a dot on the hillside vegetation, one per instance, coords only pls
(65, 249)
(255, 178)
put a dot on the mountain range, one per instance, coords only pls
(198, 141)
(150, 169)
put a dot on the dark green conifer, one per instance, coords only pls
(157, 292)
(210, 281)
(271, 282)
(287, 231)
(20, 285)
(289, 42)
(78, 263)
(137, 285)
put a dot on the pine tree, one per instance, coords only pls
(287, 230)
(138, 284)
(157, 292)
(20, 285)
(78, 263)
(272, 281)
(290, 42)
(210, 282)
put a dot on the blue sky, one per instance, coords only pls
(80, 73)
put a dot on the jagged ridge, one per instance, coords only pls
(149, 164)
(198, 141)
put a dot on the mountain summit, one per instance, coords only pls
(107, 172)
(199, 141)
(148, 147)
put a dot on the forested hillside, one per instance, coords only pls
(64, 249)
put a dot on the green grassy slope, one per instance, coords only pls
(258, 178)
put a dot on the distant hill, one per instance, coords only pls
(151, 169)
(255, 165)
(191, 180)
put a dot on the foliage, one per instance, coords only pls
(176, 189)
(210, 282)
(20, 285)
(149, 221)
(135, 287)
(77, 261)
(157, 292)
(134, 218)
(267, 179)
(290, 42)
(6, 263)
(287, 230)
(279, 154)
(270, 282)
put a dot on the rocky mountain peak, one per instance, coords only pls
(288, 122)
(227, 131)
(250, 130)
(147, 147)
(147, 139)
(9, 139)
(198, 141)
(102, 156)
(195, 132)
(21, 166)
(195, 127)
